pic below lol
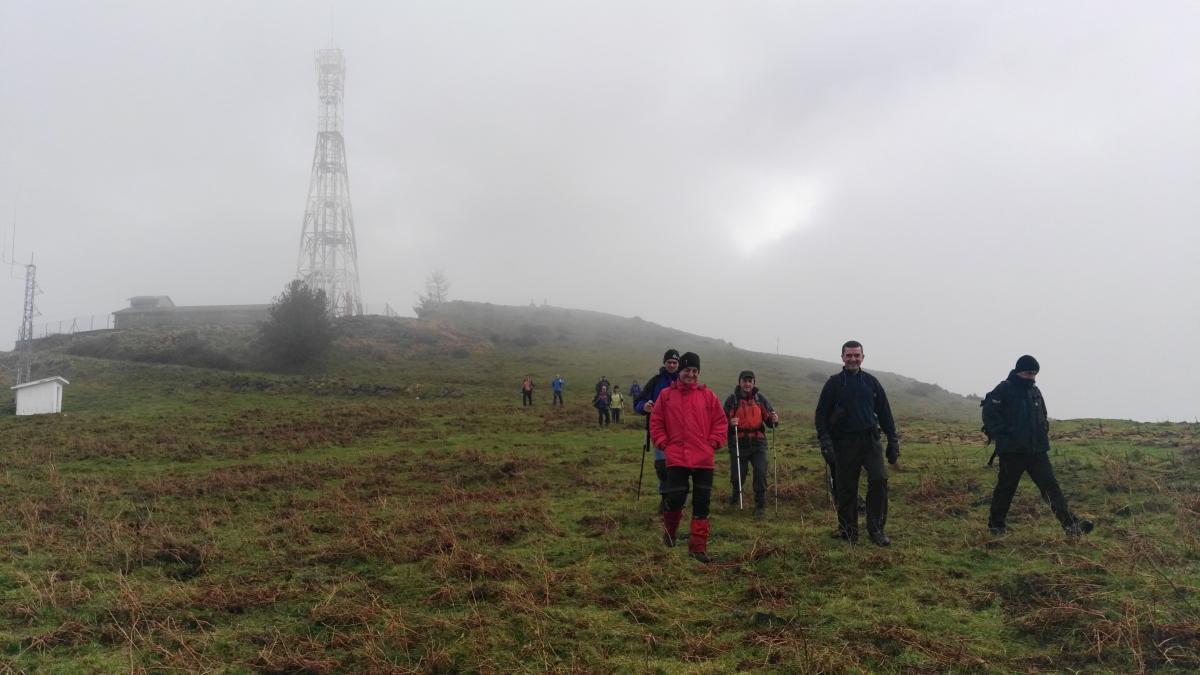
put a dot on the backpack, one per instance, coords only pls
(1000, 393)
(750, 415)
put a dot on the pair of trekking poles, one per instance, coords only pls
(737, 451)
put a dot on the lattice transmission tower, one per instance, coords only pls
(25, 334)
(328, 253)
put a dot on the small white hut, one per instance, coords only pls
(40, 397)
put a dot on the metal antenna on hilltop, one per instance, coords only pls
(328, 257)
(25, 335)
(24, 345)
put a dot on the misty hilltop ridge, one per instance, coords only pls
(485, 349)
(634, 347)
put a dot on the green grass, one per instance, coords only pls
(184, 519)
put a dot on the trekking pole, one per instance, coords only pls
(774, 454)
(737, 464)
(642, 472)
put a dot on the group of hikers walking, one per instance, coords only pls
(686, 424)
(608, 401)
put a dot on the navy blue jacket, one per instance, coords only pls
(653, 388)
(853, 403)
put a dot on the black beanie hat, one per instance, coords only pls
(670, 354)
(689, 360)
(1027, 362)
(746, 375)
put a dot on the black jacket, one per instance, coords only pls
(852, 403)
(1014, 415)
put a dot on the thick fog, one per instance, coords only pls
(952, 183)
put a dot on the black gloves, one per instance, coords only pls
(893, 450)
(827, 448)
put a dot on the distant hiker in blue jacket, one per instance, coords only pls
(635, 390)
(557, 386)
(644, 405)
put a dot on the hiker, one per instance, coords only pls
(527, 391)
(616, 403)
(852, 409)
(688, 422)
(635, 390)
(602, 382)
(750, 414)
(602, 402)
(1014, 416)
(556, 385)
(644, 405)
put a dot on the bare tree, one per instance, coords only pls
(437, 291)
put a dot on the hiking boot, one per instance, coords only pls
(701, 556)
(760, 511)
(1080, 527)
(668, 540)
(850, 537)
(836, 534)
(879, 538)
(733, 501)
(1000, 531)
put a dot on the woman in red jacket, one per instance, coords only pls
(689, 424)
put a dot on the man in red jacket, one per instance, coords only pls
(689, 424)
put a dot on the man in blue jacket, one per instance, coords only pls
(850, 413)
(1014, 416)
(557, 386)
(644, 405)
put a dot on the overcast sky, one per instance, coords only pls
(952, 183)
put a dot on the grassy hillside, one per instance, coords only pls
(486, 349)
(396, 510)
(498, 344)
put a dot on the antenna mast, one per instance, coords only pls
(25, 336)
(328, 257)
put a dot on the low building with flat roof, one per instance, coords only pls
(157, 311)
(40, 397)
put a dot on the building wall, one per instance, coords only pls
(187, 317)
(40, 399)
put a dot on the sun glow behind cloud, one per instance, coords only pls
(776, 215)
